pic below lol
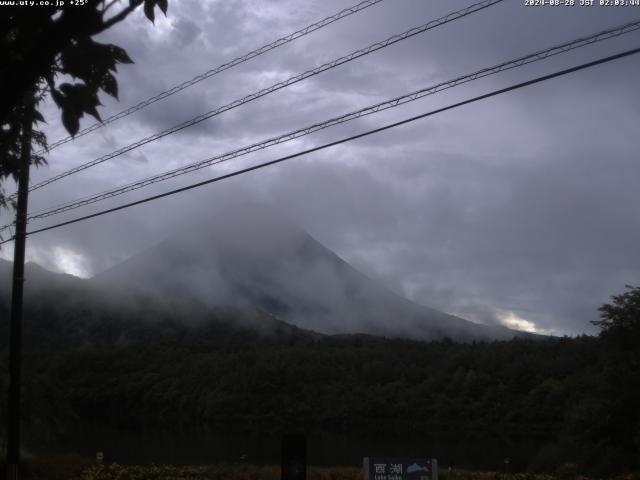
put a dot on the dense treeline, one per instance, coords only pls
(337, 382)
(582, 393)
(556, 388)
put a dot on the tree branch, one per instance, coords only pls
(109, 5)
(120, 16)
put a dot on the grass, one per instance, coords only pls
(74, 467)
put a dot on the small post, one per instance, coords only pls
(15, 336)
(294, 457)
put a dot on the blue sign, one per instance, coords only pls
(400, 468)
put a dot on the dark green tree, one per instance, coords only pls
(622, 316)
(42, 44)
(620, 334)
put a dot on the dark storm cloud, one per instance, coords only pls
(519, 207)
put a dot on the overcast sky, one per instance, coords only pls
(521, 209)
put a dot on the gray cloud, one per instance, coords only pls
(524, 203)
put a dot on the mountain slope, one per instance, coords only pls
(65, 312)
(254, 257)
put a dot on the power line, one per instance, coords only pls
(220, 68)
(277, 86)
(337, 142)
(381, 106)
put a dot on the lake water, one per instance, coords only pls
(206, 446)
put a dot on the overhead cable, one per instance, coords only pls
(220, 68)
(381, 106)
(338, 142)
(277, 86)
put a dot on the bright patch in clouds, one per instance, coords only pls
(63, 260)
(68, 261)
(511, 320)
(163, 26)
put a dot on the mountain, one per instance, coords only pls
(38, 279)
(252, 257)
(65, 312)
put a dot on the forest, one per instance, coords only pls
(580, 393)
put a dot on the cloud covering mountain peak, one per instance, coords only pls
(249, 255)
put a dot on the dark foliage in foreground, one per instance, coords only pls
(157, 370)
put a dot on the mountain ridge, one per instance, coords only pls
(255, 257)
(254, 264)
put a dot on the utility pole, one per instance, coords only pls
(15, 336)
